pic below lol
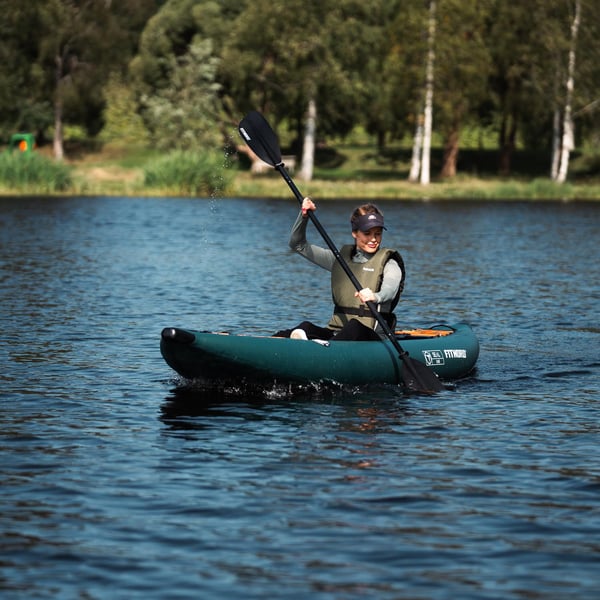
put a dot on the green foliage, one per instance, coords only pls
(463, 63)
(122, 123)
(546, 188)
(56, 56)
(199, 65)
(33, 173)
(189, 173)
(184, 114)
(276, 64)
(171, 31)
(393, 74)
(588, 164)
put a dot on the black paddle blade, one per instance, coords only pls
(257, 133)
(419, 378)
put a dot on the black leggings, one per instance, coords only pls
(352, 331)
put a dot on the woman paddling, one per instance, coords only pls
(379, 270)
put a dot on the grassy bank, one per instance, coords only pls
(353, 172)
(462, 188)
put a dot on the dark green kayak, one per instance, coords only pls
(220, 358)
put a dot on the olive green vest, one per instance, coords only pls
(369, 274)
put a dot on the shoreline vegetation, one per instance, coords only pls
(357, 173)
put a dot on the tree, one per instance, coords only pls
(184, 114)
(462, 68)
(381, 45)
(123, 124)
(568, 135)
(277, 72)
(523, 41)
(61, 53)
(308, 151)
(420, 163)
(586, 104)
(317, 57)
(23, 104)
(165, 46)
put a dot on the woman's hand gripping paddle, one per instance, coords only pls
(257, 133)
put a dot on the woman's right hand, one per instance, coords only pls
(307, 204)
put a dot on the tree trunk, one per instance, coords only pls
(428, 111)
(555, 144)
(568, 138)
(380, 141)
(508, 145)
(415, 163)
(450, 154)
(308, 151)
(57, 142)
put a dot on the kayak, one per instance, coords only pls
(220, 358)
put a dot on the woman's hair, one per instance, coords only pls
(363, 209)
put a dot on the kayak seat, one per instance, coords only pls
(412, 334)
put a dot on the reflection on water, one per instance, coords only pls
(116, 475)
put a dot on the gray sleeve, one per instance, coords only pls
(392, 276)
(322, 257)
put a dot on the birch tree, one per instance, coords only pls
(428, 111)
(421, 151)
(308, 151)
(415, 162)
(568, 135)
(555, 144)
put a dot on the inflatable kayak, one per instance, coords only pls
(223, 359)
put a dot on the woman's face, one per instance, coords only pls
(368, 241)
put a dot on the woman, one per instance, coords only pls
(379, 270)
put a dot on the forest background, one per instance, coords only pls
(377, 98)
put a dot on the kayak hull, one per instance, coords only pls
(220, 358)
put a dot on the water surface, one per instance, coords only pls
(120, 480)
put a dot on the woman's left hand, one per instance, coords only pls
(366, 295)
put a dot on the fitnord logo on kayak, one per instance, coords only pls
(437, 357)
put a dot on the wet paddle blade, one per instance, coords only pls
(257, 133)
(419, 378)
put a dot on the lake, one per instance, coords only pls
(119, 480)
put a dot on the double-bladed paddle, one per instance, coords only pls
(258, 134)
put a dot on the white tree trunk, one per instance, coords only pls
(415, 163)
(568, 138)
(428, 112)
(57, 142)
(308, 151)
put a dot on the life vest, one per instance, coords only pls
(369, 274)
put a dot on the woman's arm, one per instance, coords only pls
(392, 276)
(319, 256)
